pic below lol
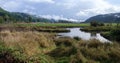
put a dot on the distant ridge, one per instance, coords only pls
(107, 18)
(7, 17)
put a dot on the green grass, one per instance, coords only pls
(49, 24)
(106, 27)
(113, 24)
(97, 29)
(55, 24)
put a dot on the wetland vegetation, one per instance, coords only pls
(22, 44)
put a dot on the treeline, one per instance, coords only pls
(8, 17)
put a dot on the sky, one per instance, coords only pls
(73, 10)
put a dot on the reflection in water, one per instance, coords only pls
(84, 35)
(93, 34)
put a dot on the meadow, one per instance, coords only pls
(48, 24)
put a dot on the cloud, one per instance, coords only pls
(42, 1)
(101, 7)
(12, 5)
(68, 4)
(57, 17)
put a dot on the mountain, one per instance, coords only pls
(2, 10)
(7, 17)
(107, 18)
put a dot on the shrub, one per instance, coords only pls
(77, 38)
(115, 34)
(95, 24)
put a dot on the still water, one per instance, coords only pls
(76, 32)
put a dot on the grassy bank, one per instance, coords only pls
(39, 47)
(41, 27)
(34, 28)
(113, 35)
(110, 32)
(97, 29)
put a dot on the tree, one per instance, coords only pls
(6, 18)
(115, 33)
(1, 19)
(29, 19)
(95, 24)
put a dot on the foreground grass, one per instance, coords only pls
(35, 47)
(91, 51)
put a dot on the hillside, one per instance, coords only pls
(7, 17)
(107, 18)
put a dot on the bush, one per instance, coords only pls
(77, 38)
(115, 34)
(95, 24)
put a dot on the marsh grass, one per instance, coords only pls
(86, 51)
(30, 42)
(39, 47)
(97, 29)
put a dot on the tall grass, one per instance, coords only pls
(30, 42)
(90, 51)
(38, 47)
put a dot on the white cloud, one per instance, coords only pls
(30, 7)
(11, 5)
(57, 17)
(99, 7)
(68, 4)
(41, 1)
(29, 11)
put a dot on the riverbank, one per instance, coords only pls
(112, 35)
(97, 29)
(34, 28)
(41, 27)
(107, 35)
(109, 32)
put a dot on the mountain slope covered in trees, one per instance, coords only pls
(13, 17)
(107, 18)
(6, 17)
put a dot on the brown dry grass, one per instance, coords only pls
(30, 42)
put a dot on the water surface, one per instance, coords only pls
(76, 32)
